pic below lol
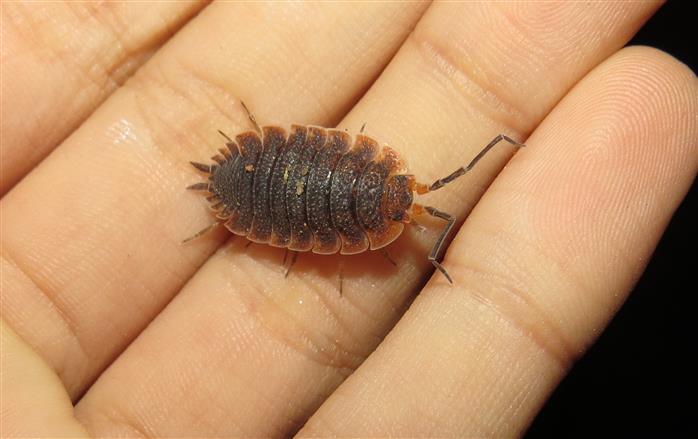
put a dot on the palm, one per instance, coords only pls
(149, 337)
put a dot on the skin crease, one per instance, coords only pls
(70, 56)
(241, 351)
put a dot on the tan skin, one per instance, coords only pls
(94, 340)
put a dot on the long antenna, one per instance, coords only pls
(461, 171)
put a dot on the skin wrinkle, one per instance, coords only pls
(344, 330)
(342, 325)
(527, 38)
(559, 346)
(67, 322)
(488, 103)
(97, 63)
(188, 385)
(541, 43)
(321, 290)
(147, 294)
(536, 323)
(298, 414)
(102, 71)
(550, 260)
(134, 428)
(321, 296)
(120, 53)
(210, 87)
(258, 289)
(363, 311)
(112, 67)
(357, 61)
(41, 42)
(204, 414)
(158, 125)
(304, 335)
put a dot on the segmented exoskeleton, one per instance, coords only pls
(317, 189)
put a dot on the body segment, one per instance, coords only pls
(318, 192)
(281, 234)
(296, 191)
(343, 194)
(241, 179)
(274, 141)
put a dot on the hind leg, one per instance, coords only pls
(294, 257)
(387, 256)
(341, 276)
(252, 118)
(202, 232)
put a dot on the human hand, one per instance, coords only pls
(104, 309)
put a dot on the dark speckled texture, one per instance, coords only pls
(370, 191)
(342, 196)
(274, 141)
(243, 178)
(301, 235)
(310, 190)
(318, 192)
(281, 230)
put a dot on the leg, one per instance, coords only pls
(202, 232)
(199, 187)
(226, 137)
(252, 119)
(433, 256)
(341, 276)
(293, 261)
(361, 131)
(460, 171)
(201, 167)
(386, 255)
(232, 146)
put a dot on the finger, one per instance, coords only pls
(61, 60)
(91, 238)
(34, 402)
(283, 344)
(539, 267)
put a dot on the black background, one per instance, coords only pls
(639, 379)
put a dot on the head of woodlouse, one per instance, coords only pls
(397, 197)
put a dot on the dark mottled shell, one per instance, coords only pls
(311, 189)
(342, 196)
(274, 141)
(281, 236)
(370, 189)
(318, 192)
(296, 190)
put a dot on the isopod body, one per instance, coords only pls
(311, 189)
(318, 189)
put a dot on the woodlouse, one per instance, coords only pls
(312, 190)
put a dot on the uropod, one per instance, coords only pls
(317, 189)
